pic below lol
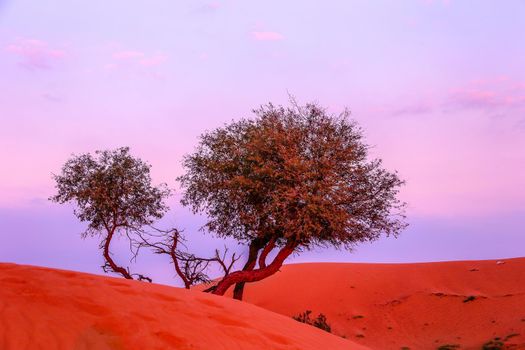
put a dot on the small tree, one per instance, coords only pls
(292, 179)
(112, 191)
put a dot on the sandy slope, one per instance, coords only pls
(420, 306)
(55, 309)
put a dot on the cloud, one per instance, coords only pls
(496, 95)
(35, 54)
(488, 95)
(136, 57)
(267, 36)
(127, 55)
(475, 98)
(153, 60)
(418, 108)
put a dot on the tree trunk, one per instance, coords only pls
(255, 246)
(258, 274)
(110, 261)
(269, 247)
(173, 254)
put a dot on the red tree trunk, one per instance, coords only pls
(269, 247)
(110, 261)
(255, 246)
(258, 274)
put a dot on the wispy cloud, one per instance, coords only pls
(136, 57)
(153, 60)
(127, 55)
(35, 54)
(417, 108)
(489, 94)
(267, 36)
(495, 95)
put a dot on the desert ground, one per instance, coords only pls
(373, 306)
(396, 306)
(50, 309)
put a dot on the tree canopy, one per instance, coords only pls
(292, 178)
(113, 193)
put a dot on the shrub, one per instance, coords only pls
(319, 322)
(494, 344)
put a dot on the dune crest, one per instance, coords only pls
(42, 308)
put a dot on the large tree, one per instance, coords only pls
(290, 179)
(112, 192)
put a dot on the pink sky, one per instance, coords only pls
(438, 87)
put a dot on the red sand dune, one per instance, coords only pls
(381, 306)
(391, 306)
(51, 309)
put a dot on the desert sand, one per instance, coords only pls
(416, 306)
(379, 306)
(49, 309)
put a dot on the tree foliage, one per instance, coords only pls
(112, 192)
(292, 178)
(289, 179)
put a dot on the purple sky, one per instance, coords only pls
(439, 87)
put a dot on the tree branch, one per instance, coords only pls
(267, 249)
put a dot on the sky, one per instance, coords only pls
(438, 86)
